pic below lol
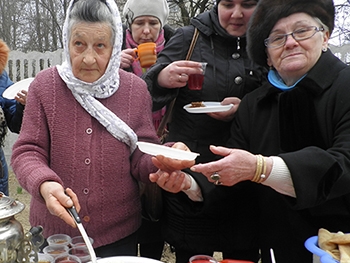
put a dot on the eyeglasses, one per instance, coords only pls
(278, 40)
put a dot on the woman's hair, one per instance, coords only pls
(4, 54)
(94, 11)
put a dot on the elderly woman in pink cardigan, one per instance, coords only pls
(78, 139)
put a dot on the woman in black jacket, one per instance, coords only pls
(228, 77)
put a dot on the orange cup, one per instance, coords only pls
(147, 54)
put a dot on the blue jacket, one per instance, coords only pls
(12, 109)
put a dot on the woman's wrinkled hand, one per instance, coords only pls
(227, 115)
(235, 166)
(127, 57)
(57, 200)
(168, 164)
(172, 182)
(175, 75)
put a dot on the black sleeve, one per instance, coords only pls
(168, 32)
(16, 121)
(175, 49)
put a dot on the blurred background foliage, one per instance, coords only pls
(36, 25)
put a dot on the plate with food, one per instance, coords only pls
(206, 107)
(11, 92)
(173, 153)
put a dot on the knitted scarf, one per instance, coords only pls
(130, 43)
(86, 93)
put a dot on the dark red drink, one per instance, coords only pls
(195, 81)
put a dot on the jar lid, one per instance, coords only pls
(9, 206)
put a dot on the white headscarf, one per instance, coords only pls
(86, 93)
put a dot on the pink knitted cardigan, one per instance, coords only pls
(60, 141)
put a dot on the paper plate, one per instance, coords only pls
(173, 153)
(210, 106)
(127, 259)
(11, 92)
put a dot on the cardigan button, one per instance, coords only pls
(87, 161)
(88, 130)
(86, 219)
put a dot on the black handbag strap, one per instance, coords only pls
(170, 106)
(193, 43)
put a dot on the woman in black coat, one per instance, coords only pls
(292, 135)
(189, 227)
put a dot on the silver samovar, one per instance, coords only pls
(15, 246)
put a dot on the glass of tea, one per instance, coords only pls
(195, 81)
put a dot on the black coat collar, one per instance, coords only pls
(318, 79)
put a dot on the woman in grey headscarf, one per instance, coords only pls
(79, 134)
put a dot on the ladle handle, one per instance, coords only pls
(73, 212)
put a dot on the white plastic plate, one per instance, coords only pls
(210, 106)
(11, 92)
(173, 153)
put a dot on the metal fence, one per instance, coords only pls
(24, 65)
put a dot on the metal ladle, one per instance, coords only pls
(73, 212)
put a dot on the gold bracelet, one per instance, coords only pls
(260, 169)
(263, 174)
